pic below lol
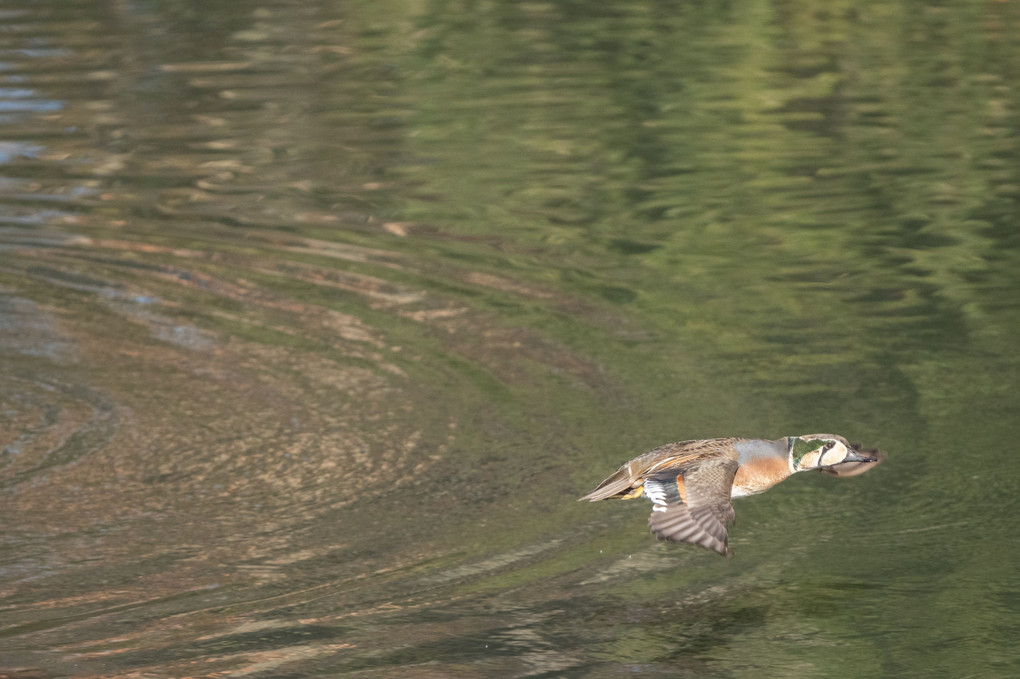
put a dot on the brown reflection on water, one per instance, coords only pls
(186, 430)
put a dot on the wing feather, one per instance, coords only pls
(704, 518)
(626, 481)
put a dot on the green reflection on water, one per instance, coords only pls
(810, 214)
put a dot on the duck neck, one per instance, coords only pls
(762, 464)
(755, 449)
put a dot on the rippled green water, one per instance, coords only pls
(316, 319)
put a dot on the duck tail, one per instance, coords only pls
(618, 486)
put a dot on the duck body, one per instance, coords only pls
(691, 483)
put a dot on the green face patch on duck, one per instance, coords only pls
(812, 452)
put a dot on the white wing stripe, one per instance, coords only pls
(657, 494)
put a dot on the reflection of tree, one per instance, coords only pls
(757, 162)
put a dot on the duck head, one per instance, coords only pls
(823, 452)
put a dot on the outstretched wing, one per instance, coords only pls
(694, 505)
(626, 481)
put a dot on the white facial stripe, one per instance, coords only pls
(809, 461)
(838, 453)
(830, 451)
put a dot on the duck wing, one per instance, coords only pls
(626, 481)
(693, 505)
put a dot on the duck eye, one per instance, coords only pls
(829, 445)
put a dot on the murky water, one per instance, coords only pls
(316, 319)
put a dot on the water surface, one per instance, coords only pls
(316, 319)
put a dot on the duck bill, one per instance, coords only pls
(855, 463)
(854, 456)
